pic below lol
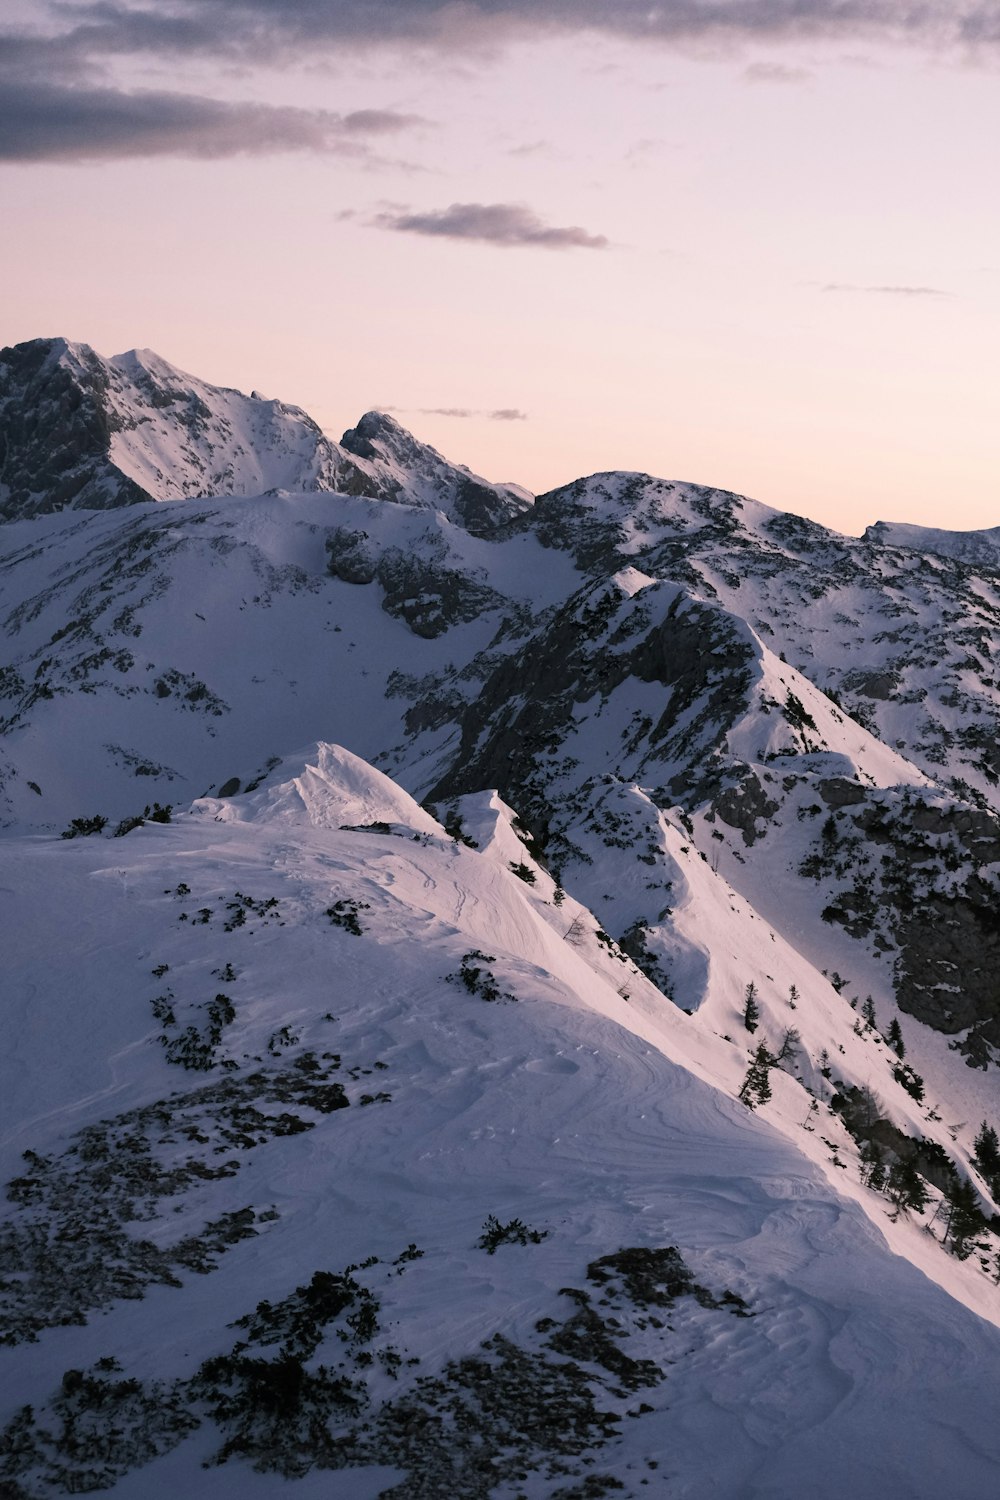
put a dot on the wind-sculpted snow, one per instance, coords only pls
(329, 788)
(400, 1237)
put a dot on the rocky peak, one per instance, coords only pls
(415, 472)
(56, 431)
(379, 436)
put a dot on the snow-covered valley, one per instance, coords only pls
(595, 1106)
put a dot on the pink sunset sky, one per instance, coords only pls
(751, 243)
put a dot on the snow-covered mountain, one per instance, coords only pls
(81, 432)
(531, 1033)
(968, 546)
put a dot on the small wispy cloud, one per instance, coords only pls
(379, 122)
(501, 414)
(887, 291)
(530, 148)
(775, 72)
(642, 150)
(508, 225)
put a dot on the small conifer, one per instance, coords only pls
(751, 1010)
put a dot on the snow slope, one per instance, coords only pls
(982, 546)
(567, 1109)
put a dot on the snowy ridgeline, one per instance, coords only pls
(616, 1119)
(351, 1149)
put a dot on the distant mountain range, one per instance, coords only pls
(82, 432)
(595, 891)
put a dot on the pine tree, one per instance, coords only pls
(868, 1011)
(895, 1038)
(751, 1010)
(789, 1042)
(986, 1153)
(964, 1217)
(873, 1167)
(756, 1086)
(793, 996)
(906, 1187)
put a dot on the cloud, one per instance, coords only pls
(503, 224)
(40, 121)
(261, 30)
(64, 99)
(888, 291)
(502, 414)
(379, 122)
(774, 72)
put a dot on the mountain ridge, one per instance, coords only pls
(607, 991)
(83, 432)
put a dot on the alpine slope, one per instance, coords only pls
(500, 992)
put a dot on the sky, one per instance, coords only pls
(749, 243)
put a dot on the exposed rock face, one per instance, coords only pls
(351, 557)
(743, 804)
(837, 792)
(55, 434)
(949, 968)
(519, 732)
(426, 593)
(922, 871)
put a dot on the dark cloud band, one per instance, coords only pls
(58, 101)
(248, 26)
(40, 121)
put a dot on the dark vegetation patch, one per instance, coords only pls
(345, 914)
(68, 1250)
(515, 1232)
(478, 978)
(292, 1393)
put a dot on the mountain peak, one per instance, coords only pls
(85, 432)
(378, 435)
(418, 473)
